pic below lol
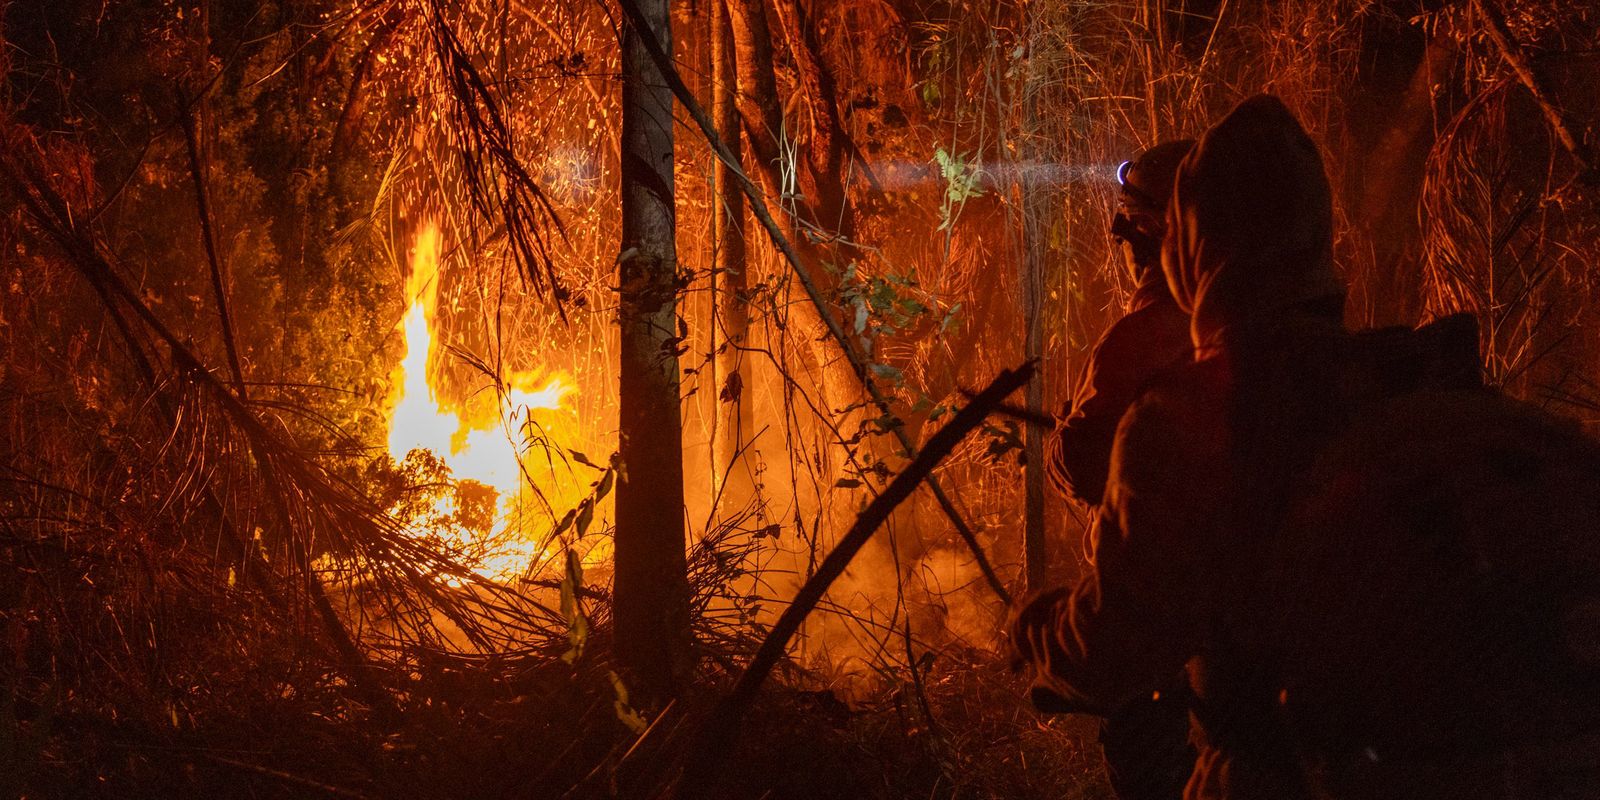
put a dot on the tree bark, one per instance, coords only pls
(730, 281)
(824, 137)
(651, 593)
(757, 89)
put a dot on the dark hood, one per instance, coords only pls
(1250, 225)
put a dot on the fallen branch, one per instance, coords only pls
(758, 207)
(706, 756)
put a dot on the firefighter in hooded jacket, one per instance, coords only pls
(1383, 581)
(1145, 742)
(1152, 338)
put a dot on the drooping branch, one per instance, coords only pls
(51, 213)
(498, 185)
(312, 503)
(763, 214)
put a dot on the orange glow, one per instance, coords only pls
(484, 451)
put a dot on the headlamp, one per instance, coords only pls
(1122, 172)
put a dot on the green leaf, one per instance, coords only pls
(572, 608)
(888, 373)
(585, 516)
(888, 422)
(624, 710)
(565, 523)
(950, 318)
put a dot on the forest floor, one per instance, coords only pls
(963, 729)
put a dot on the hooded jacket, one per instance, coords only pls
(1248, 253)
(1250, 225)
(1372, 575)
(1151, 339)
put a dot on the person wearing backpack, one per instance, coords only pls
(1252, 529)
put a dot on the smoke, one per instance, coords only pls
(902, 176)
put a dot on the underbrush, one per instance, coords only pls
(538, 727)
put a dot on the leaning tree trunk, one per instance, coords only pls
(733, 422)
(651, 586)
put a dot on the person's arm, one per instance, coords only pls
(1137, 616)
(1135, 351)
(1078, 452)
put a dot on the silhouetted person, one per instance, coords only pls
(1384, 581)
(1145, 741)
(1153, 337)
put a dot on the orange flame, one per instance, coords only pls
(485, 452)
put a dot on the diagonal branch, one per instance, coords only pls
(208, 235)
(705, 758)
(1589, 170)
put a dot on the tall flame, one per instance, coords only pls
(483, 451)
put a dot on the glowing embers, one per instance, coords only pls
(471, 492)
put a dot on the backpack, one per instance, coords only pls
(1431, 603)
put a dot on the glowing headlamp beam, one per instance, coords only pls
(1122, 172)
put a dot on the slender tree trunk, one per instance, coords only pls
(730, 280)
(1035, 216)
(757, 87)
(814, 207)
(651, 586)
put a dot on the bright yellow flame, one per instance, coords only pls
(485, 453)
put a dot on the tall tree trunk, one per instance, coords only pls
(651, 586)
(808, 226)
(757, 89)
(1035, 219)
(731, 283)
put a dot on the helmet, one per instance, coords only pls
(1147, 180)
(1146, 185)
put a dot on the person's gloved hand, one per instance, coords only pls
(1032, 621)
(1033, 624)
